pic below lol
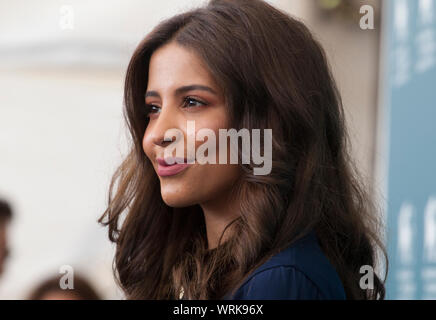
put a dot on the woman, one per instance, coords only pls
(219, 231)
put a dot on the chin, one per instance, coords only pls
(176, 202)
(177, 199)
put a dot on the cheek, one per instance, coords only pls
(220, 178)
(193, 188)
(200, 183)
(147, 144)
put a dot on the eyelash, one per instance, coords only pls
(185, 101)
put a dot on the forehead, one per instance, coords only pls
(173, 65)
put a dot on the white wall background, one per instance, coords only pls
(59, 141)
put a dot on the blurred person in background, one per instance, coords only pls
(50, 289)
(5, 217)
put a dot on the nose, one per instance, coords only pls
(165, 123)
(161, 142)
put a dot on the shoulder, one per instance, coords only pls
(279, 283)
(301, 271)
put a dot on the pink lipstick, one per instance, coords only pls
(170, 166)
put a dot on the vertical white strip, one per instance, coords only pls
(381, 168)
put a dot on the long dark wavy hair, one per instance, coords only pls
(274, 74)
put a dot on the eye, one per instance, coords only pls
(151, 109)
(190, 102)
(154, 109)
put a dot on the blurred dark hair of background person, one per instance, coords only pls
(50, 290)
(5, 217)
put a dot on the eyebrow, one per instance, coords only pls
(183, 89)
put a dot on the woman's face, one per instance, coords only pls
(173, 73)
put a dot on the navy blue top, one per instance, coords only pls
(301, 271)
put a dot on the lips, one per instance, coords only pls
(171, 166)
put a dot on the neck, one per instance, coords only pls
(217, 215)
